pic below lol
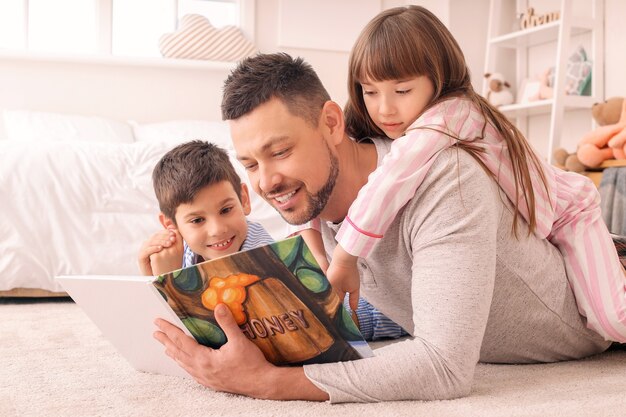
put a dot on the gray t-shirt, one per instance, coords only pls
(450, 272)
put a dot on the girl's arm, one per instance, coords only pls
(402, 171)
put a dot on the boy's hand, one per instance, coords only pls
(343, 275)
(161, 251)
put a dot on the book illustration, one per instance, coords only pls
(230, 291)
(279, 297)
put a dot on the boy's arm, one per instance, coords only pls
(162, 252)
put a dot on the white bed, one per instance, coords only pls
(78, 195)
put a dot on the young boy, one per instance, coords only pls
(204, 206)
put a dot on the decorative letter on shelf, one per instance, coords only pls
(529, 19)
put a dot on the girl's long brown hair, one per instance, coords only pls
(410, 41)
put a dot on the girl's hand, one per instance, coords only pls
(343, 275)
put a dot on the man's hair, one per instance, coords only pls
(260, 78)
(188, 168)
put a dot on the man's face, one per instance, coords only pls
(289, 162)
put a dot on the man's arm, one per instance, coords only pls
(441, 276)
(247, 370)
(433, 273)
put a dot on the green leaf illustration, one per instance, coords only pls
(346, 325)
(312, 279)
(188, 280)
(308, 257)
(287, 250)
(206, 333)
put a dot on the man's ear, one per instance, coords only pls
(332, 121)
(166, 222)
(245, 199)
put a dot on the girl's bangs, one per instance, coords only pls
(388, 59)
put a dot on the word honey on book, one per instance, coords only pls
(279, 297)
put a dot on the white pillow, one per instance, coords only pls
(25, 125)
(179, 131)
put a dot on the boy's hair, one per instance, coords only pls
(188, 168)
(258, 79)
(410, 41)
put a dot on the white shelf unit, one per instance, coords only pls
(559, 33)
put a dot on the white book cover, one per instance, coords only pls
(124, 309)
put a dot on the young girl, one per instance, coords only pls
(395, 92)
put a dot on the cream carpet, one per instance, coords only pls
(54, 362)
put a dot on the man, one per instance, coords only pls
(448, 270)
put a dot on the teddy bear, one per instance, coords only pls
(498, 93)
(608, 140)
(568, 161)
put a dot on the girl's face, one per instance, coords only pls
(394, 105)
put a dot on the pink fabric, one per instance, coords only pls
(569, 217)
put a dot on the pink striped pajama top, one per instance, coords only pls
(569, 217)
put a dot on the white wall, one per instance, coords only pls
(332, 66)
(119, 91)
(147, 93)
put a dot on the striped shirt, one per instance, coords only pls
(373, 324)
(568, 215)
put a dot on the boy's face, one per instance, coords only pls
(214, 223)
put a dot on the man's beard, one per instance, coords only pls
(317, 201)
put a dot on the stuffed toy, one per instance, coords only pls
(498, 93)
(608, 140)
(545, 87)
(568, 161)
(577, 77)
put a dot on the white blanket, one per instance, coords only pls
(81, 208)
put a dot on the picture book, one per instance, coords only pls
(277, 293)
(279, 297)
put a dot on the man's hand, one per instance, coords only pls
(238, 366)
(343, 275)
(161, 253)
